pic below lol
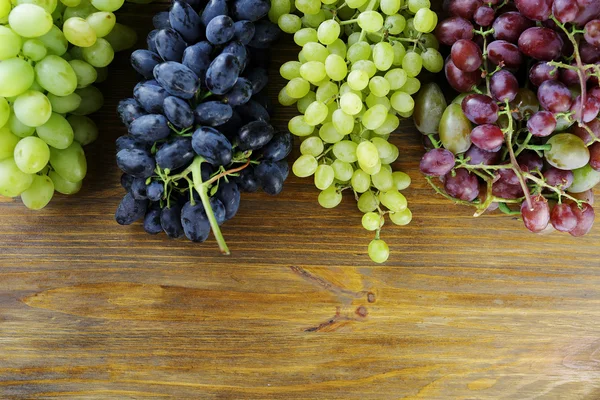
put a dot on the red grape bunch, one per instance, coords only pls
(523, 135)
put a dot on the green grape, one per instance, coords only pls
(367, 155)
(383, 180)
(297, 88)
(313, 71)
(120, 38)
(345, 150)
(411, 86)
(316, 113)
(290, 70)
(10, 43)
(335, 67)
(395, 23)
(69, 163)
(299, 127)
(429, 108)
(57, 132)
(327, 92)
(375, 116)
(56, 76)
(102, 23)
(100, 54)
(402, 102)
(8, 142)
(310, 7)
(432, 60)
(39, 193)
(373, 100)
(86, 74)
(358, 51)
(85, 130)
(425, 20)
(322, 82)
(379, 86)
(402, 217)
(305, 166)
(343, 171)
(315, 52)
(16, 76)
(55, 41)
(358, 79)
(305, 35)
(278, 8)
(289, 23)
(328, 31)
(350, 103)
(63, 186)
(329, 134)
(64, 104)
(34, 49)
(407, 114)
(31, 154)
(91, 100)
(585, 178)
(372, 170)
(79, 32)
(324, 176)
(455, 129)
(29, 20)
(372, 221)
(337, 47)
(356, 3)
(430, 41)
(567, 152)
(19, 128)
(393, 200)
(379, 251)
(401, 180)
(330, 197)
(384, 148)
(396, 78)
(312, 146)
(416, 5)
(48, 5)
(383, 56)
(342, 122)
(306, 101)
(283, 97)
(13, 181)
(314, 20)
(32, 108)
(370, 21)
(367, 202)
(4, 111)
(399, 53)
(353, 38)
(5, 7)
(412, 63)
(108, 5)
(82, 10)
(390, 7)
(360, 181)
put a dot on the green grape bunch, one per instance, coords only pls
(354, 80)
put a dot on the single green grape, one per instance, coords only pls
(330, 197)
(379, 251)
(324, 176)
(372, 221)
(39, 193)
(312, 146)
(401, 217)
(305, 166)
(401, 180)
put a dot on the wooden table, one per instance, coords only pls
(465, 308)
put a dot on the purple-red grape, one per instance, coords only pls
(585, 219)
(541, 124)
(530, 161)
(541, 43)
(569, 76)
(589, 54)
(461, 81)
(587, 196)
(595, 156)
(508, 176)
(437, 162)
(583, 133)
(537, 10)
(554, 96)
(590, 109)
(504, 86)
(563, 218)
(559, 177)
(504, 53)
(461, 184)
(591, 32)
(463, 8)
(487, 137)
(510, 25)
(477, 156)
(466, 55)
(565, 10)
(480, 109)
(536, 219)
(542, 72)
(506, 191)
(484, 16)
(453, 29)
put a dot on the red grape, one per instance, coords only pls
(592, 32)
(477, 156)
(585, 219)
(461, 184)
(480, 109)
(484, 16)
(587, 12)
(538, 10)
(461, 81)
(504, 53)
(541, 43)
(487, 137)
(589, 54)
(536, 219)
(569, 77)
(506, 191)
(530, 161)
(594, 92)
(508, 176)
(541, 124)
(437, 162)
(595, 156)
(453, 29)
(463, 8)
(590, 110)
(510, 25)
(554, 96)
(542, 72)
(563, 219)
(466, 55)
(565, 10)
(584, 134)
(559, 177)
(587, 196)
(504, 86)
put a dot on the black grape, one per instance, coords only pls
(129, 142)
(178, 112)
(150, 128)
(220, 30)
(150, 95)
(213, 8)
(155, 190)
(239, 94)
(247, 181)
(229, 194)
(284, 167)
(129, 110)
(126, 181)
(151, 41)
(279, 147)
(152, 222)
(255, 135)
(186, 21)
(195, 222)
(170, 220)
(177, 79)
(244, 31)
(138, 189)
(265, 34)
(222, 73)
(169, 44)
(213, 113)
(253, 111)
(270, 177)
(259, 77)
(130, 210)
(212, 145)
(176, 153)
(232, 126)
(197, 58)
(218, 210)
(238, 49)
(144, 61)
(251, 10)
(135, 162)
(161, 20)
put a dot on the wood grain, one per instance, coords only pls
(465, 309)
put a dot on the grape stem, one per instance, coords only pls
(446, 195)
(542, 184)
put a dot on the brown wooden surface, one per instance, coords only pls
(464, 309)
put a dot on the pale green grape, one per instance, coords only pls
(350, 103)
(585, 178)
(353, 38)
(29, 20)
(100, 54)
(407, 114)
(411, 86)
(316, 113)
(290, 70)
(358, 51)
(402, 102)
(108, 5)
(57, 132)
(379, 86)
(372, 221)
(345, 150)
(379, 251)
(356, 3)
(330, 197)
(55, 41)
(91, 100)
(396, 78)
(85, 130)
(313, 71)
(312, 146)
(48, 5)
(304, 166)
(82, 10)
(430, 41)
(4, 111)
(370, 21)
(393, 200)
(401, 217)
(395, 23)
(390, 7)
(399, 53)
(297, 88)
(64, 104)
(102, 23)
(315, 52)
(326, 92)
(375, 116)
(328, 31)
(314, 20)
(329, 134)
(10, 43)
(31, 155)
(425, 20)
(39, 193)
(324, 176)
(337, 47)
(358, 80)
(367, 155)
(412, 63)
(34, 49)
(79, 32)
(393, 157)
(299, 127)
(8, 142)
(342, 122)
(61, 185)
(335, 67)
(13, 181)
(19, 128)
(305, 35)
(16, 76)
(323, 81)
(343, 171)
(289, 23)
(360, 181)
(365, 65)
(86, 74)
(310, 7)
(384, 149)
(401, 180)
(432, 60)
(5, 7)
(56, 75)
(120, 38)
(383, 180)
(278, 8)
(367, 202)
(69, 163)
(283, 97)
(416, 5)
(383, 56)
(306, 101)
(32, 108)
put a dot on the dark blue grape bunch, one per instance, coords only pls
(198, 124)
